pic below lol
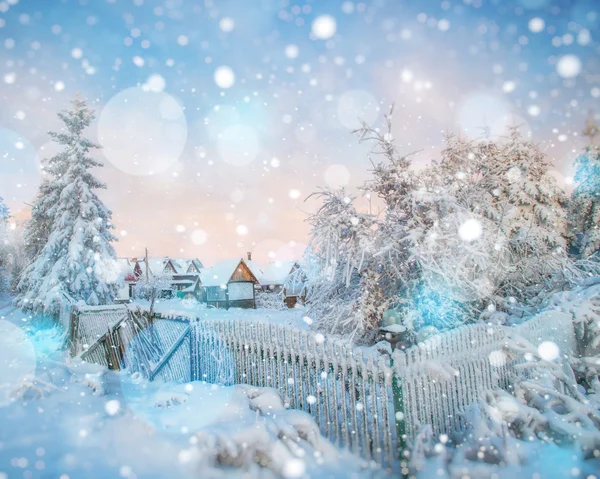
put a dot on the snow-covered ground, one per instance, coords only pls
(65, 419)
(295, 317)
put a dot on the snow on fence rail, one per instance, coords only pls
(355, 394)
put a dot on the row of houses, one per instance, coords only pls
(229, 283)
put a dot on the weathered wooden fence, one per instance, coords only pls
(347, 391)
(435, 394)
(362, 399)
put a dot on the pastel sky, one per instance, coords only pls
(218, 118)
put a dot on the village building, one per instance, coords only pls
(231, 283)
(228, 284)
(286, 278)
(183, 275)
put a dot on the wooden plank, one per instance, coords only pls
(169, 354)
(73, 332)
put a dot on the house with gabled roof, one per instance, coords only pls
(184, 274)
(286, 278)
(183, 265)
(231, 283)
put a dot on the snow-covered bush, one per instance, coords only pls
(496, 217)
(343, 295)
(256, 433)
(270, 300)
(551, 405)
(151, 288)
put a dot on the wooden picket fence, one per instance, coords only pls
(362, 399)
(347, 391)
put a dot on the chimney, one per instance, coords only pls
(249, 255)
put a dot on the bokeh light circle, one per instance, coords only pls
(568, 66)
(238, 145)
(324, 27)
(142, 132)
(224, 77)
(199, 237)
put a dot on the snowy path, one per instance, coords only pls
(67, 420)
(69, 432)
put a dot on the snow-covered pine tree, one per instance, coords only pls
(585, 199)
(4, 248)
(4, 211)
(78, 257)
(40, 224)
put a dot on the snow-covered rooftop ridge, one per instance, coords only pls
(277, 272)
(158, 264)
(222, 271)
(125, 266)
(256, 270)
(182, 265)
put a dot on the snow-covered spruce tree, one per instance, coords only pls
(585, 202)
(78, 257)
(43, 210)
(40, 224)
(4, 211)
(4, 248)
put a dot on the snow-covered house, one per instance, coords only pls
(183, 274)
(286, 278)
(186, 276)
(126, 268)
(230, 284)
(181, 266)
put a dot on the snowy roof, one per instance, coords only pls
(277, 272)
(183, 264)
(94, 321)
(156, 265)
(125, 267)
(256, 270)
(222, 271)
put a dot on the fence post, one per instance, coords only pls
(399, 415)
(73, 332)
(397, 358)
